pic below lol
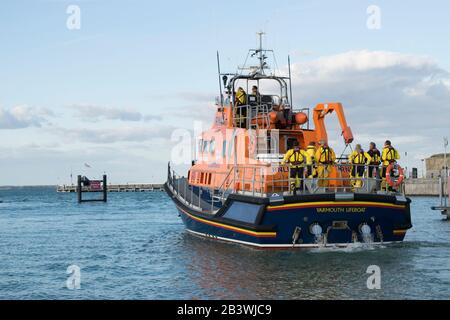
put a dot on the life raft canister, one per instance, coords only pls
(389, 180)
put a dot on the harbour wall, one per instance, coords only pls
(423, 187)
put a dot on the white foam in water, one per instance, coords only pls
(350, 247)
(366, 234)
(367, 244)
(367, 238)
(319, 239)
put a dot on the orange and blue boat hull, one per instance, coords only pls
(258, 222)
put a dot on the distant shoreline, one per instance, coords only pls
(68, 184)
(28, 186)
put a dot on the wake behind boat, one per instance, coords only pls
(241, 188)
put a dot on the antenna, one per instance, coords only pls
(290, 88)
(260, 52)
(218, 75)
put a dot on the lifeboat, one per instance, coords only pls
(238, 189)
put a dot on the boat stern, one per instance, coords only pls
(331, 220)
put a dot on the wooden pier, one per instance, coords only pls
(129, 187)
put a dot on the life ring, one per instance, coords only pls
(389, 180)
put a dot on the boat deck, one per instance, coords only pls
(192, 196)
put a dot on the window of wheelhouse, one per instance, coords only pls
(200, 146)
(270, 92)
(212, 146)
(224, 148)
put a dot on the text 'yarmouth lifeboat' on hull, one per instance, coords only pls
(239, 188)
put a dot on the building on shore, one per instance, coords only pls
(435, 166)
(432, 183)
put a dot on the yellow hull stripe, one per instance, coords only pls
(336, 204)
(399, 232)
(225, 226)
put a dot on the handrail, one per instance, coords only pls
(259, 183)
(221, 188)
(188, 199)
(226, 177)
(258, 109)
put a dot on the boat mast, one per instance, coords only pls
(260, 52)
(290, 87)
(218, 75)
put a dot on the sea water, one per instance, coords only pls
(135, 247)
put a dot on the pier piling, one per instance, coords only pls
(86, 185)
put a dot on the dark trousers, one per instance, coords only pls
(309, 169)
(358, 170)
(383, 172)
(297, 172)
(373, 168)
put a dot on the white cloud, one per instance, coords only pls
(203, 112)
(365, 60)
(22, 116)
(89, 112)
(193, 96)
(112, 135)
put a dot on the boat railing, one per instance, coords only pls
(252, 116)
(255, 180)
(196, 197)
(263, 180)
(181, 189)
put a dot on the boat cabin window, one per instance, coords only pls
(202, 177)
(276, 100)
(231, 146)
(263, 94)
(243, 212)
(224, 148)
(205, 146)
(212, 146)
